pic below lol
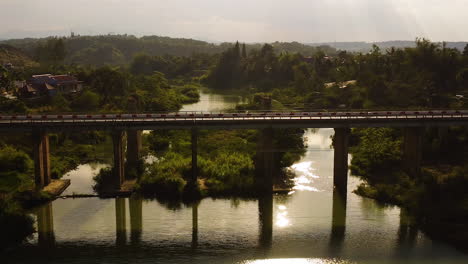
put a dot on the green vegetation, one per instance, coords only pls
(227, 161)
(121, 49)
(437, 198)
(428, 75)
(15, 225)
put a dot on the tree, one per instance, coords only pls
(52, 52)
(109, 83)
(87, 101)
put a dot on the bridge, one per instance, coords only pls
(413, 123)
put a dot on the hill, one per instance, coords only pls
(121, 49)
(9, 54)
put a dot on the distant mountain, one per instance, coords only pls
(367, 46)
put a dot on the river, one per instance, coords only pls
(308, 225)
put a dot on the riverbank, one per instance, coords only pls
(436, 199)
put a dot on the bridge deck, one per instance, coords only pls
(186, 120)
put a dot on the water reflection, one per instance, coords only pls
(195, 225)
(305, 176)
(136, 219)
(407, 234)
(45, 226)
(309, 227)
(265, 216)
(338, 228)
(120, 222)
(282, 217)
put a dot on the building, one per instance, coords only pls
(50, 85)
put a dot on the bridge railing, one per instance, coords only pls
(244, 115)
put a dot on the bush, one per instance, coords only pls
(229, 174)
(166, 177)
(15, 225)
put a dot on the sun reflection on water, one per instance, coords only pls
(305, 176)
(282, 217)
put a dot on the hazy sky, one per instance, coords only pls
(244, 20)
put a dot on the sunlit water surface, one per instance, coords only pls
(305, 226)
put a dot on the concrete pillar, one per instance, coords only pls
(194, 154)
(136, 219)
(412, 148)
(41, 159)
(119, 156)
(120, 222)
(265, 217)
(45, 226)
(340, 167)
(265, 162)
(134, 146)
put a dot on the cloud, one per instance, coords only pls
(246, 20)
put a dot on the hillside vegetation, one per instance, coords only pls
(9, 54)
(121, 49)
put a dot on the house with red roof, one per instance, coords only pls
(50, 85)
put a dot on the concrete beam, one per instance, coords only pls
(340, 167)
(41, 159)
(119, 156)
(412, 150)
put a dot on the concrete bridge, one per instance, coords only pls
(129, 127)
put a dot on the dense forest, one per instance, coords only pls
(429, 75)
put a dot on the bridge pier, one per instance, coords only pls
(194, 154)
(134, 146)
(41, 159)
(119, 157)
(265, 162)
(412, 147)
(340, 169)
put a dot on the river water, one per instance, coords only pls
(308, 225)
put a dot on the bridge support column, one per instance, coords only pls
(133, 148)
(119, 156)
(412, 147)
(41, 159)
(194, 155)
(340, 169)
(265, 161)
